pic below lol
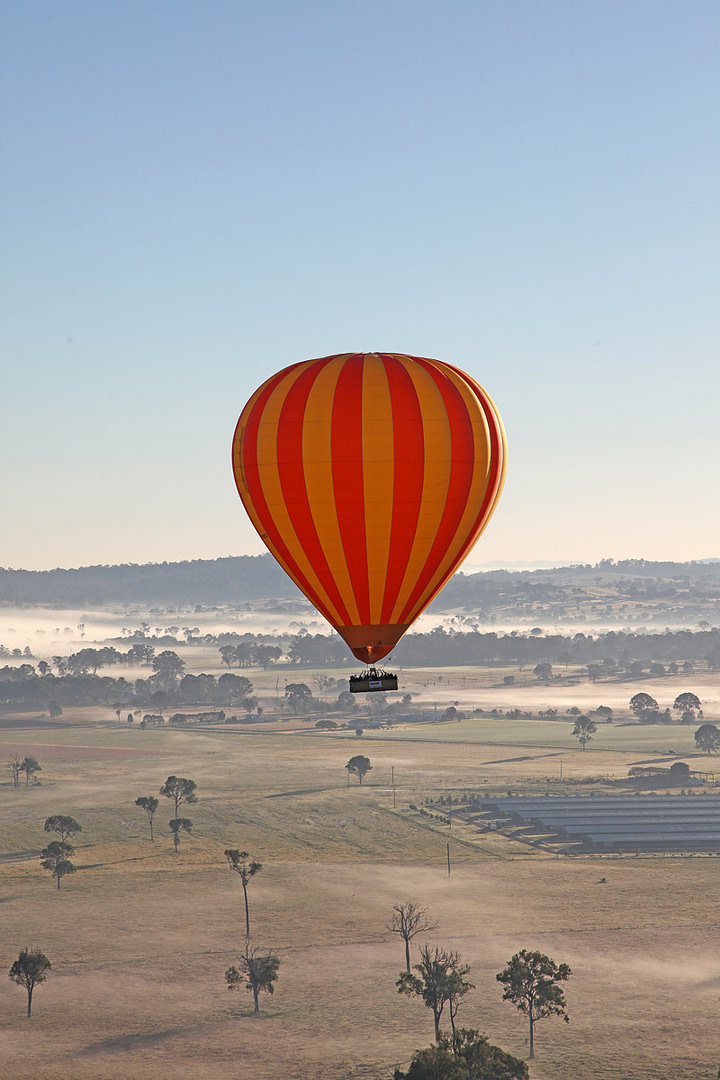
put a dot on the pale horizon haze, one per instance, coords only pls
(194, 196)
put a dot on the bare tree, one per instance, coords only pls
(408, 920)
(441, 982)
(246, 870)
(15, 767)
(29, 970)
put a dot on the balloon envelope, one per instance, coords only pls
(369, 476)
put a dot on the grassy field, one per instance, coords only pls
(140, 938)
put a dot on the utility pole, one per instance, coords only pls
(448, 859)
(392, 781)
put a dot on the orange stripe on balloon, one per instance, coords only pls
(291, 472)
(460, 481)
(283, 532)
(317, 465)
(348, 478)
(409, 467)
(377, 449)
(436, 475)
(486, 485)
(247, 477)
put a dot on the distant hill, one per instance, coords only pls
(203, 581)
(633, 589)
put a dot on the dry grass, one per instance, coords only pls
(140, 939)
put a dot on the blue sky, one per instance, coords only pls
(194, 195)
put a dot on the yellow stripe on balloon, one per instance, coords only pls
(317, 465)
(438, 446)
(378, 468)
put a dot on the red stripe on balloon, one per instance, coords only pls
(496, 452)
(495, 458)
(292, 481)
(255, 490)
(409, 469)
(348, 478)
(462, 466)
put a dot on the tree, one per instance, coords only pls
(178, 825)
(30, 766)
(707, 738)
(642, 703)
(180, 791)
(168, 668)
(298, 697)
(542, 671)
(149, 804)
(687, 702)
(584, 729)
(441, 981)
(54, 710)
(466, 1056)
(63, 825)
(408, 920)
(256, 970)
(56, 858)
(246, 870)
(532, 982)
(15, 767)
(29, 970)
(359, 766)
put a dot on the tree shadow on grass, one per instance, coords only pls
(139, 1041)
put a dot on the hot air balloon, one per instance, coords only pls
(369, 476)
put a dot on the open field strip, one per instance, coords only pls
(140, 938)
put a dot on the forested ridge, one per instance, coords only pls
(629, 590)
(200, 581)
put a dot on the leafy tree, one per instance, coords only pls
(168, 668)
(532, 982)
(441, 981)
(687, 702)
(359, 766)
(466, 1056)
(298, 697)
(256, 970)
(149, 804)
(178, 825)
(707, 738)
(56, 858)
(234, 688)
(29, 970)
(246, 869)
(326, 725)
(228, 654)
(30, 766)
(408, 920)
(642, 703)
(542, 671)
(584, 729)
(63, 825)
(54, 710)
(180, 791)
